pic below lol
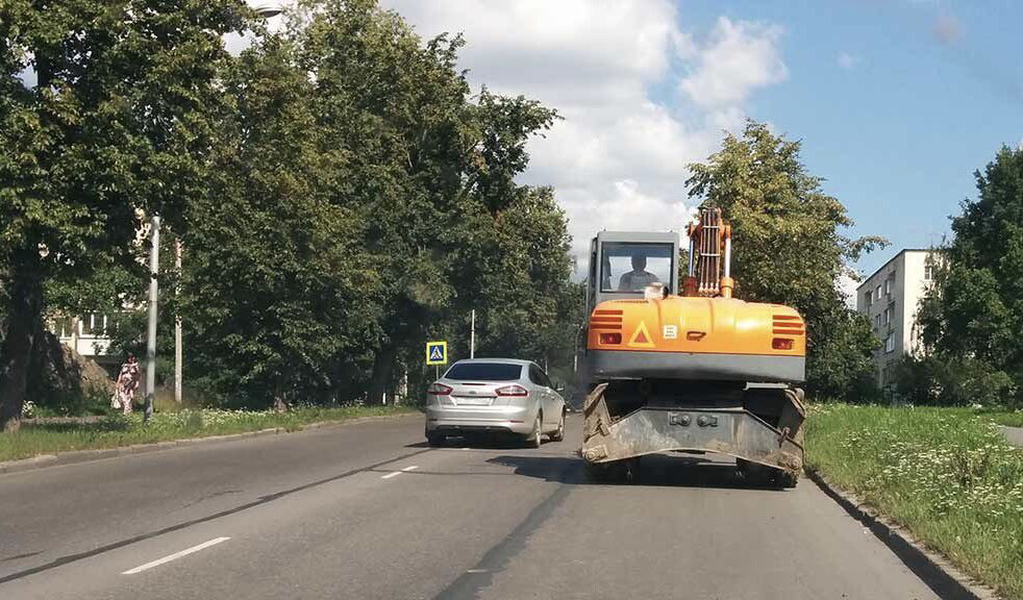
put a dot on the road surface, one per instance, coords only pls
(1014, 435)
(366, 510)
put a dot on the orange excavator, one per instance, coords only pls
(696, 372)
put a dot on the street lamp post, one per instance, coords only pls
(154, 290)
(264, 9)
(178, 351)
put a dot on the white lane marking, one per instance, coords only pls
(396, 473)
(175, 556)
(477, 571)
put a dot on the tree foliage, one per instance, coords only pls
(117, 125)
(341, 193)
(789, 248)
(972, 317)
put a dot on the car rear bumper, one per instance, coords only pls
(471, 419)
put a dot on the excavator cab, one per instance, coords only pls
(611, 257)
(614, 255)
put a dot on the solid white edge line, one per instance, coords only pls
(412, 468)
(175, 556)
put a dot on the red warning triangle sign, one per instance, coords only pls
(641, 337)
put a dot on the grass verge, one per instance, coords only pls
(1010, 419)
(946, 474)
(113, 431)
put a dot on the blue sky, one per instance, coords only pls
(897, 103)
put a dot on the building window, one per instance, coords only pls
(888, 287)
(877, 293)
(889, 343)
(94, 324)
(866, 297)
(88, 322)
(887, 315)
(877, 320)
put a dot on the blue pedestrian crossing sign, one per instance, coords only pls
(436, 353)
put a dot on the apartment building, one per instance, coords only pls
(86, 335)
(890, 298)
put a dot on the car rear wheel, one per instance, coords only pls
(435, 440)
(559, 435)
(534, 439)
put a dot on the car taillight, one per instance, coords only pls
(512, 390)
(438, 389)
(610, 338)
(781, 344)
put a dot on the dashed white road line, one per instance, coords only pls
(175, 556)
(396, 473)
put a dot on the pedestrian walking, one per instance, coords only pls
(127, 384)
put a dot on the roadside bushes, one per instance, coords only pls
(938, 381)
(971, 318)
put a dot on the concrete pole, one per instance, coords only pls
(154, 290)
(472, 334)
(178, 352)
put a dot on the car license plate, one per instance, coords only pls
(470, 401)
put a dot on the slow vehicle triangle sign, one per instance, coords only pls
(641, 337)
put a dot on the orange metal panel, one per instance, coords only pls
(699, 325)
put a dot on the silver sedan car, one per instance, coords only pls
(494, 395)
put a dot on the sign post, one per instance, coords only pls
(436, 354)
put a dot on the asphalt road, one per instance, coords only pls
(1014, 435)
(368, 511)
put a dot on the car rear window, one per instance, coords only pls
(484, 372)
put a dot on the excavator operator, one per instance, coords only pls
(638, 278)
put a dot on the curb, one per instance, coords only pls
(81, 456)
(944, 579)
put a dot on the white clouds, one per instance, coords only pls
(550, 48)
(847, 287)
(617, 159)
(739, 58)
(847, 61)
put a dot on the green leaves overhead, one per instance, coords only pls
(340, 191)
(117, 125)
(364, 201)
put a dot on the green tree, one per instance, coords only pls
(118, 123)
(277, 285)
(789, 248)
(524, 306)
(972, 317)
(430, 166)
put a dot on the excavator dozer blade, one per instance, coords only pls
(735, 431)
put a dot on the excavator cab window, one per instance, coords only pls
(631, 266)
